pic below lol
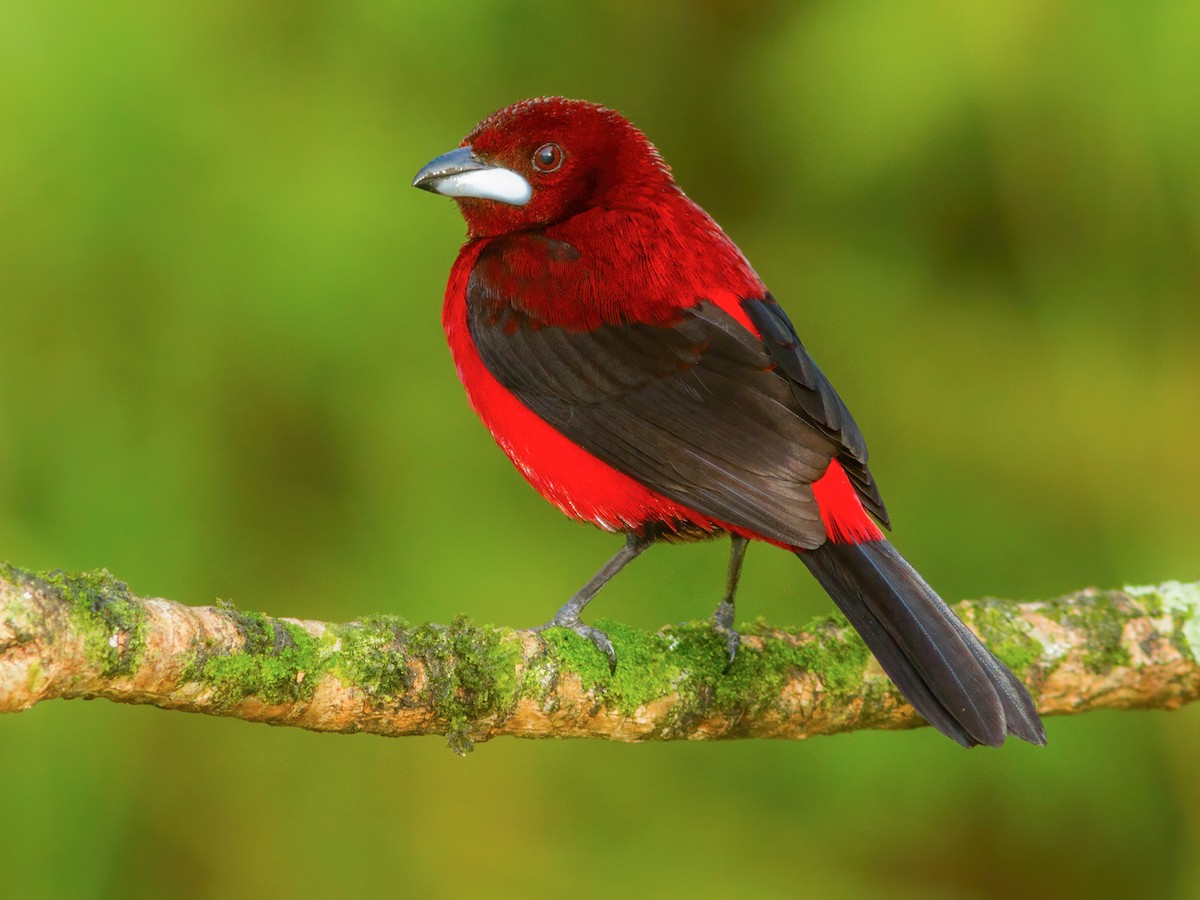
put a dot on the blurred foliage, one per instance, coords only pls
(223, 375)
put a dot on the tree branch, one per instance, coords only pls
(71, 636)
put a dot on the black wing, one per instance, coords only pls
(699, 410)
(819, 403)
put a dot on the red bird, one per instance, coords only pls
(632, 365)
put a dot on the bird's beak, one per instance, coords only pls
(460, 173)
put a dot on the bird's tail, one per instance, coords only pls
(943, 670)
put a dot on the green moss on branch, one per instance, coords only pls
(87, 635)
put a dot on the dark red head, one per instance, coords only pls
(541, 161)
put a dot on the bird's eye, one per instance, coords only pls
(547, 157)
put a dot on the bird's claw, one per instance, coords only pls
(598, 638)
(722, 623)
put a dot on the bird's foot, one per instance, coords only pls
(722, 623)
(595, 635)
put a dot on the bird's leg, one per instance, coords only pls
(722, 617)
(568, 616)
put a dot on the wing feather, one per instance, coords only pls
(698, 409)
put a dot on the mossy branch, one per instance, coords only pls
(71, 636)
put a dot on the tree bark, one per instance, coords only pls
(71, 636)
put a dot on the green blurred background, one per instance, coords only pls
(224, 376)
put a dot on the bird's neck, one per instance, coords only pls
(606, 266)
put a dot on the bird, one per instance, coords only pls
(635, 369)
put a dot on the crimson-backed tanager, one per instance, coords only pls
(635, 369)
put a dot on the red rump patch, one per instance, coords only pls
(846, 522)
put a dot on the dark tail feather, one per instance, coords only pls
(943, 670)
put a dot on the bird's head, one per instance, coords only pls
(542, 161)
